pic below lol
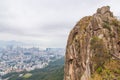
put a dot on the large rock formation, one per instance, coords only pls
(93, 48)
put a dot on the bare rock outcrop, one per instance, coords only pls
(93, 48)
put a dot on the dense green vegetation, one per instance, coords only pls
(54, 71)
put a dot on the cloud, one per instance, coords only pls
(46, 21)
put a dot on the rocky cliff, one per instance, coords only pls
(93, 48)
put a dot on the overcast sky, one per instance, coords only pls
(46, 21)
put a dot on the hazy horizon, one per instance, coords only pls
(45, 22)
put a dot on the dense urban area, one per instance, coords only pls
(18, 58)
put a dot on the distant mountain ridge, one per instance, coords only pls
(12, 42)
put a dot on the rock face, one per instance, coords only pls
(93, 48)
